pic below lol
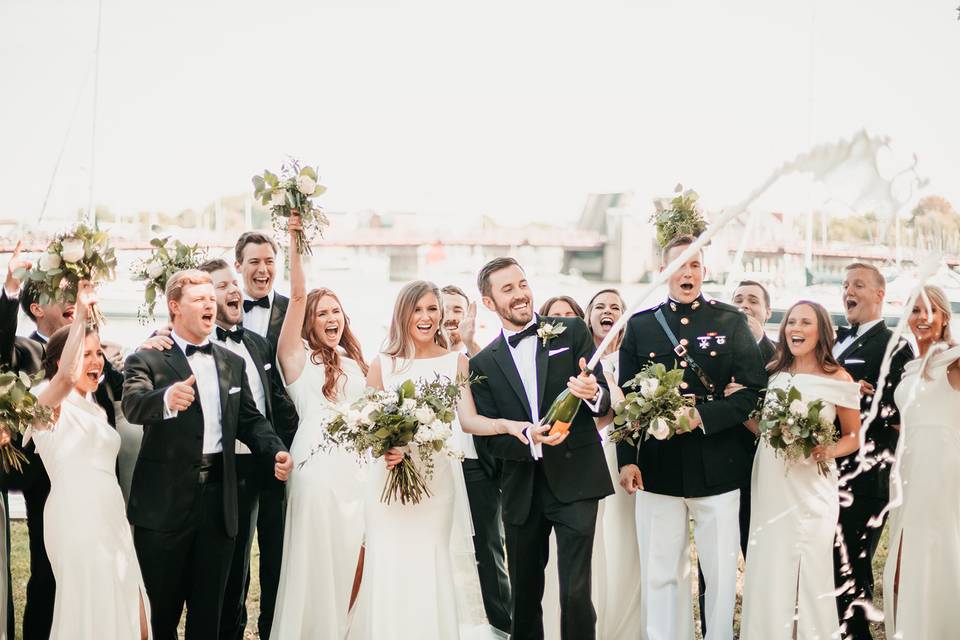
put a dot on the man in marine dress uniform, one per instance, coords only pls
(696, 474)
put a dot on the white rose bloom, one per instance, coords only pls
(389, 397)
(787, 436)
(279, 198)
(352, 416)
(306, 185)
(441, 430)
(424, 415)
(659, 429)
(367, 411)
(799, 407)
(49, 261)
(648, 387)
(72, 250)
(409, 405)
(155, 269)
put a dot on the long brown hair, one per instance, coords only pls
(53, 350)
(574, 305)
(399, 343)
(823, 352)
(615, 343)
(320, 353)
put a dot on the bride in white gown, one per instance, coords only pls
(923, 566)
(411, 587)
(321, 364)
(789, 581)
(100, 592)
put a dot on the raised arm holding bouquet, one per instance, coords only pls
(83, 253)
(290, 193)
(167, 257)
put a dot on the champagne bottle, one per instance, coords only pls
(561, 413)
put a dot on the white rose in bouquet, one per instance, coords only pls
(441, 430)
(648, 387)
(155, 269)
(367, 412)
(49, 261)
(799, 407)
(72, 249)
(424, 415)
(409, 405)
(352, 418)
(389, 397)
(306, 185)
(788, 436)
(659, 429)
(279, 198)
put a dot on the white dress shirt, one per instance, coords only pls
(258, 318)
(253, 379)
(842, 345)
(204, 368)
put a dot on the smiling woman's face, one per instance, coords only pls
(607, 309)
(801, 330)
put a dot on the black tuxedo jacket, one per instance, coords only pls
(285, 419)
(712, 460)
(165, 480)
(574, 470)
(862, 359)
(768, 349)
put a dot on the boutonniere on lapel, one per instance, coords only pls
(547, 332)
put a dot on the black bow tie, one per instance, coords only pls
(516, 338)
(845, 332)
(236, 335)
(204, 348)
(259, 302)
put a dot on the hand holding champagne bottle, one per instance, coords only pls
(560, 415)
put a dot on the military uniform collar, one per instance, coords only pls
(682, 307)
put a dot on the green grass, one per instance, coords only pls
(20, 558)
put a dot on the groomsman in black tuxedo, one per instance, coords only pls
(263, 312)
(695, 475)
(194, 402)
(556, 487)
(860, 348)
(18, 353)
(481, 471)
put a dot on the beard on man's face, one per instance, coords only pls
(516, 316)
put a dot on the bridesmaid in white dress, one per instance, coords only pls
(408, 588)
(322, 365)
(922, 575)
(789, 581)
(100, 592)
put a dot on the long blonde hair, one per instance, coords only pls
(938, 300)
(399, 345)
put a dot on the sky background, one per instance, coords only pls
(515, 110)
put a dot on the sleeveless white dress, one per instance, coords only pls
(615, 564)
(793, 520)
(925, 516)
(85, 527)
(324, 521)
(411, 587)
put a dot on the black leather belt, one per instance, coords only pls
(211, 468)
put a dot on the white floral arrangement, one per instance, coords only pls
(293, 191)
(794, 427)
(166, 258)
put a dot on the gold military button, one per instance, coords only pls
(713, 302)
(695, 305)
(684, 341)
(713, 354)
(684, 385)
(683, 363)
(652, 354)
(684, 320)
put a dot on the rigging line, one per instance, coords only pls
(66, 138)
(91, 214)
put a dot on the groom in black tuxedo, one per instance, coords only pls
(544, 488)
(194, 402)
(860, 348)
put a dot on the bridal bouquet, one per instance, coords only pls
(293, 190)
(18, 410)
(678, 216)
(793, 427)
(166, 258)
(651, 410)
(416, 413)
(83, 253)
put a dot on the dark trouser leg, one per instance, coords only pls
(209, 566)
(575, 524)
(528, 548)
(744, 539)
(484, 495)
(860, 542)
(41, 587)
(11, 617)
(163, 557)
(270, 521)
(233, 615)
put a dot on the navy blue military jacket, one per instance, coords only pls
(712, 459)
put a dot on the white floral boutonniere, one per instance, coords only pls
(547, 332)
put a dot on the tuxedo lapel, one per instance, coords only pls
(277, 311)
(257, 358)
(501, 355)
(178, 362)
(224, 378)
(862, 340)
